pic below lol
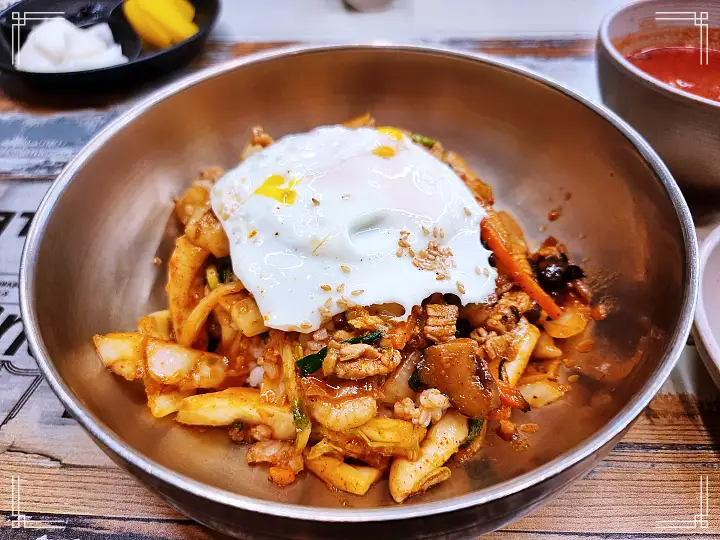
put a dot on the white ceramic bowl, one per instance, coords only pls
(706, 330)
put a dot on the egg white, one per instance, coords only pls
(317, 222)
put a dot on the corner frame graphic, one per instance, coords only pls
(700, 520)
(699, 19)
(19, 20)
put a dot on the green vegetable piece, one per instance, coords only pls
(367, 338)
(312, 362)
(422, 139)
(212, 277)
(474, 429)
(414, 381)
(299, 417)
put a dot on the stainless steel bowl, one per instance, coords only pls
(88, 267)
(682, 127)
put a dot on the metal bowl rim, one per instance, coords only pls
(104, 435)
(606, 46)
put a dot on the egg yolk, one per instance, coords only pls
(274, 187)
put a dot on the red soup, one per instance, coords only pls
(680, 67)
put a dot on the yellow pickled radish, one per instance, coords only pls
(145, 26)
(166, 15)
(186, 9)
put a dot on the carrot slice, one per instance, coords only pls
(491, 237)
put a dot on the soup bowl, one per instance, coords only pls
(88, 268)
(684, 128)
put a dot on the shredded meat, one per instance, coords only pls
(259, 137)
(278, 453)
(496, 347)
(440, 325)
(507, 312)
(351, 351)
(360, 319)
(367, 367)
(459, 371)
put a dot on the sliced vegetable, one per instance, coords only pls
(247, 317)
(541, 393)
(166, 15)
(392, 437)
(147, 28)
(572, 322)
(475, 427)
(422, 139)
(312, 362)
(510, 397)
(234, 405)
(415, 383)
(299, 417)
(491, 237)
(397, 386)
(353, 479)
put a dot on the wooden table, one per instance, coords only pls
(654, 473)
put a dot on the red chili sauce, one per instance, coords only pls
(680, 67)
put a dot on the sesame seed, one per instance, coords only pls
(403, 243)
(486, 272)
(315, 201)
(440, 277)
(442, 232)
(435, 231)
(326, 287)
(573, 378)
(411, 251)
(422, 254)
(328, 303)
(425, 230)
(325, 312)
(460, 287)
(468, 212)
(252, 233)
(399, 253)
(357, 292)
(341, 304)
(345, 269)
(305, 325)
(341, 287)
(477, 270)
(416, 263)
(157, 261)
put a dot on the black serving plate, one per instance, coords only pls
(144, 63)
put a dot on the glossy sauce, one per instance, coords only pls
(680, 67)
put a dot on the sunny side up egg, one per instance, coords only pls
(336, 217)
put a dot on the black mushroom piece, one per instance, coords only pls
(554, 272)
(459, 371)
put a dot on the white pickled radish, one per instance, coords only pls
(103, 33)
(57, 46)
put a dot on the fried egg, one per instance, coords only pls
(325, 220)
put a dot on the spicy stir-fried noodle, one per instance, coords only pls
(365, 394)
